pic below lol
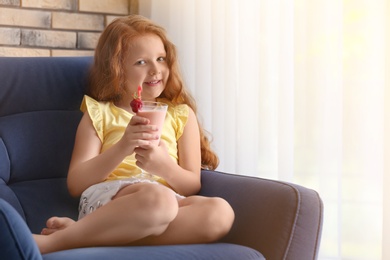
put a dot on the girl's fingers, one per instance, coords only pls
(137, 120)
(141, 124)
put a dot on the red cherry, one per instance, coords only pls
(136, 104)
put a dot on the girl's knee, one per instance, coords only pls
(149, 195)
(219, 219)
(157, 196)
(159, 201)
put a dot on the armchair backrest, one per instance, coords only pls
(39, 114)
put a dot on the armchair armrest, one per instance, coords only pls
(281, 220)
(16, 241)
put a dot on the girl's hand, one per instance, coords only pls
(152, 158)
(138, 133)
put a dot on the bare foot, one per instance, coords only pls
(54, 224)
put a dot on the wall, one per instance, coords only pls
(56, 27)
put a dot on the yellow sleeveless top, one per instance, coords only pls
(111, 121)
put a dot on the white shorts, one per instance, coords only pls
(100, 194)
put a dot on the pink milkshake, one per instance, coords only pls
(155, 112)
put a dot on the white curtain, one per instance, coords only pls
(299, 91)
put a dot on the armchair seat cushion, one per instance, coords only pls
(218, 251)
(16, 242)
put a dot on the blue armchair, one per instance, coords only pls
(39, 114)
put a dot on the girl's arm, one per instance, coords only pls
(88, 165)
(184, 177)
(190, 156)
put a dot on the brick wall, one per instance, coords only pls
(56, 27)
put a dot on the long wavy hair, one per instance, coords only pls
(108, 76)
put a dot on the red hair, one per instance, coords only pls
(108, 77)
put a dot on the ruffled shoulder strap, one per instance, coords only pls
(180, 115)
(94, 110)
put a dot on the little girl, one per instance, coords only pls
(119, 206)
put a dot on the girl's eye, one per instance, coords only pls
(140, 62)
(161, 59)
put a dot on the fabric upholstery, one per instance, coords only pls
(16, 241)
(291, 211)
(218, 251)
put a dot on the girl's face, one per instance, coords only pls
(147, 66)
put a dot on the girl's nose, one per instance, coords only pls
(154, 72)
(154, 69)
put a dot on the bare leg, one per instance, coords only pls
(214, 215)
(200, 220)
(141, 210)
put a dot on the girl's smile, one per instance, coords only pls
(153, 83)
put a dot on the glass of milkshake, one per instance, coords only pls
(155, 112)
